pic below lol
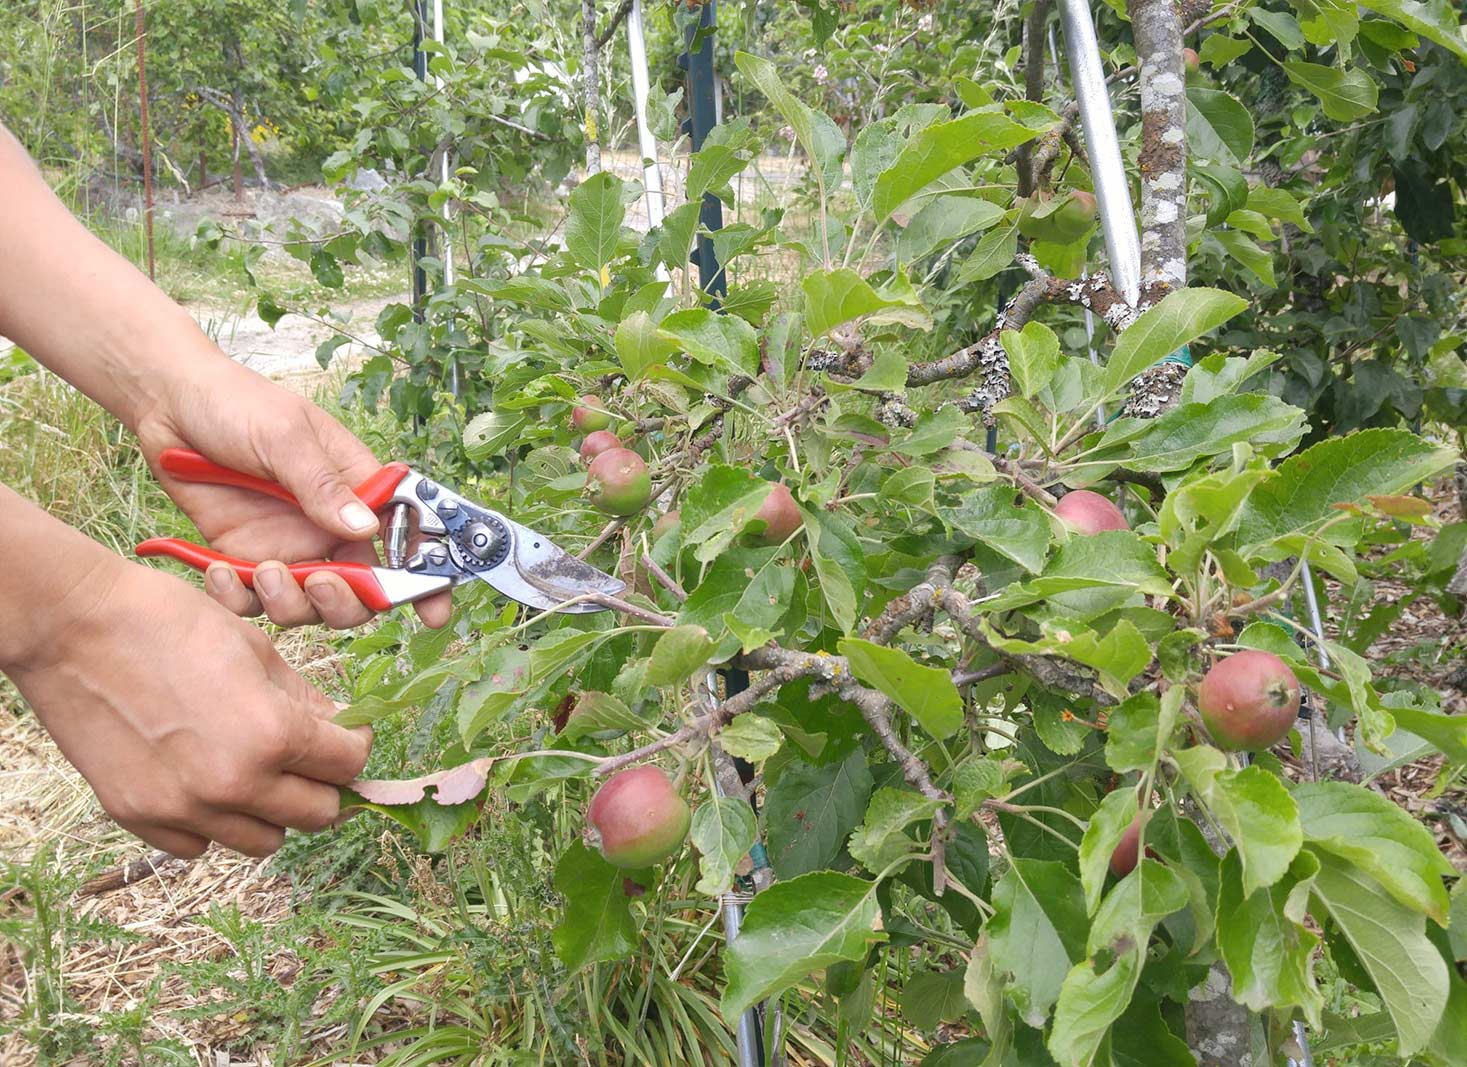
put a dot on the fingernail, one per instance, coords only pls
(358, 516)
(322, 593)
(267, 581)
(219, 579)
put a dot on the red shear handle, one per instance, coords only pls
(189, 466)
(359, 576)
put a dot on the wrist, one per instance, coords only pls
(54, 589)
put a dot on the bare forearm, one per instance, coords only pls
(51, 577)
(80, 308)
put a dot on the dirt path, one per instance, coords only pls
(287, 352)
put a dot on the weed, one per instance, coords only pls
(38, 932)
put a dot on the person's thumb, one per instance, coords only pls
(304, 467)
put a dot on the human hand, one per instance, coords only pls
(187, 724)
(240, 420)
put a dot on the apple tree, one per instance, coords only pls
(1046, 718)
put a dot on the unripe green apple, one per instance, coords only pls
(590, 415)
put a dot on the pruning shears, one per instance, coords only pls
(461, 541)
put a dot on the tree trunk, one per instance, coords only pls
(1163, 160)
(591, 86)
(1033, 86)
(1157, 27)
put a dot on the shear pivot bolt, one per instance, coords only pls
(437, 555)
(481, 540)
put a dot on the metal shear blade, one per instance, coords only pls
(540, 574)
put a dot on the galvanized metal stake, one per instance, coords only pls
(1107, 171)
(448, 273)
(646, 140)
(420, 240)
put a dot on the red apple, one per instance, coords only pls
(597, 442)
(618, 482)
(1089, 513)
(1249, 701)
(780, 515)
(637, 818)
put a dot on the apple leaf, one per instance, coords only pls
(927, 693)
(795, 928)
(723, 831)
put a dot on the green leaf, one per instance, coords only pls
(1278, 204)
(1240, 247)
(726, 342)
(839, 564)
(1436, 20)
(596, 923)
(1218, 50)
(1382, 840)
(1180, 318)
(1189, 432)
(927, 693)
(489, 433)
(939, 148)
(1107, 826)
(1092, 575)
(1267, 948)
(435, 825)
(751, 737)
(1284, 27)
(640, 345)
(1253, 807)
(593, 230)
(595, 713)
(747, 583)
(1099, 988)
(942, 221)
(910, 487)
(1447, 733)
(1119, 656)
(718, 507)
(1141, 1038)
(679, 652)
(795, 928)
(723, 831)
(976, 779)
(1037, 931)
(1338, 470)
(1009, 524)
(994, 251)
(1218, 127)
(834, 298)
(931, 998)
(817, 133)
(1346, 95)
(809, 813)
(1391, 943)
(881, 839)
(1034, 356)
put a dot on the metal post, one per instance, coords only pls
(646, 140)
(420, 240)
(1117, 218)
(703, 116)
(448, 275)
